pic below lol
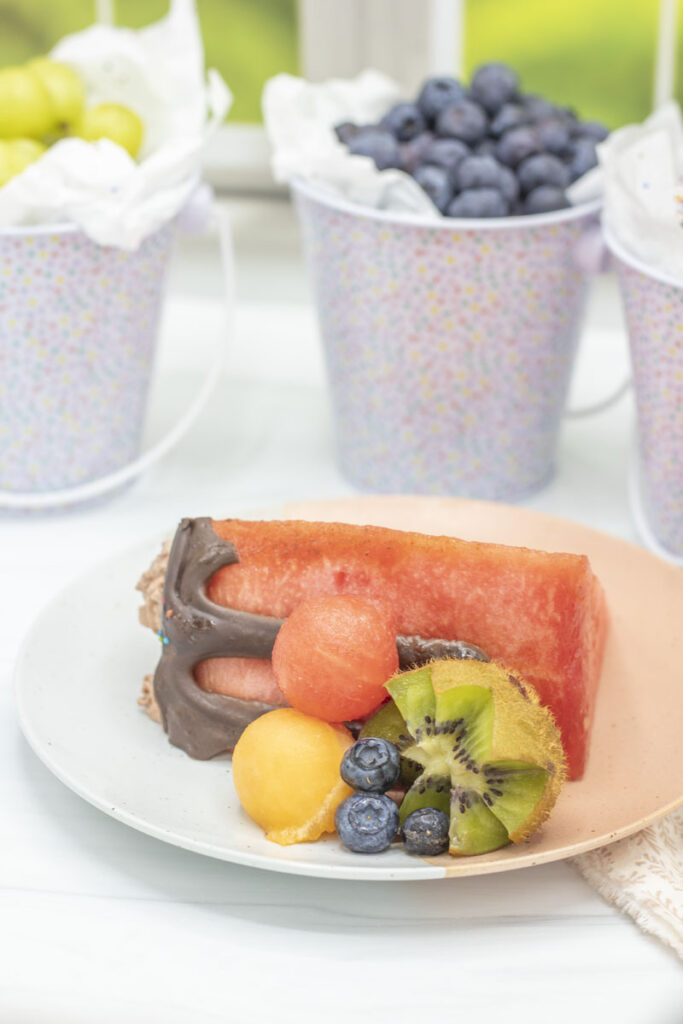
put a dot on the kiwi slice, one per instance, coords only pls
(490, 753)
(389, 724)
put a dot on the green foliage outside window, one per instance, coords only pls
(30, 27)
(247, 40)
(595, 55)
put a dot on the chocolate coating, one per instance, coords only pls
(195, 628)
(414, 651)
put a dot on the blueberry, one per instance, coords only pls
(542, 169)
(438, 93)
(346, 131)
(366, 822)
(479, 202)
(477, 172)
(466, 121)
(568, 116)
(446, 153)
(538, 108)
(508, 185)
(582, 158)
(413, 152)
(404, 121)
(493, 85)
(371, 764)
(487, 147)
(425, 832)
(487, 172)
(594, 130)
(516, 145)
(510, 115)
(381, 146)
(437, 183)
(553, 135)
(544, 199)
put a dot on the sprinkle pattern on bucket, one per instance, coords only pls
(78, 326)
(654, 314)
(449, 352)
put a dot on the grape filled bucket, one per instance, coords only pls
(78, 329)
(449, 343)
(653, 307)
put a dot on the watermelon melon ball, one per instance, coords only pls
(334, 654)
(285, 768)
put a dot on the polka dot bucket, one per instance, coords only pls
(449, 344)
(78, 328)
(653, 308)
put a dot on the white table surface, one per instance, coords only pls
(101, 923)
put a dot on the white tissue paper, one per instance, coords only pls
(299, 118)
(641, 179)
(158, 72)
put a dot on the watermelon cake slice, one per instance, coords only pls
(231, 583)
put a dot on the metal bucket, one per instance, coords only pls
(449, 343)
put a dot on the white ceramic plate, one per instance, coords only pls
(79, 673)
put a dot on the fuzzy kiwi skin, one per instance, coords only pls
(524, 730)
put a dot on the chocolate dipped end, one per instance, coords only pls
(194, 628)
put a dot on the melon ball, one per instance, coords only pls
(334, 654)
(285, 768)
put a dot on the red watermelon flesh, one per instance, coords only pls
(543, 614)
(245, 678)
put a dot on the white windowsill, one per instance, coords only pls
(238, 160)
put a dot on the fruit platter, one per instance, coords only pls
(459, 769)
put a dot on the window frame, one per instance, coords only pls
(339, 42)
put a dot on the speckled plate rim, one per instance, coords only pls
(81, 746)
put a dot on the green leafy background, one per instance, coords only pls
(595, 55)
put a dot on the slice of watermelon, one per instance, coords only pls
(543, 614)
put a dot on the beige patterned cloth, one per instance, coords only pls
(643, 876)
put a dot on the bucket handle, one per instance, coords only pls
(24, 501)
(592, 256)
(603, 403)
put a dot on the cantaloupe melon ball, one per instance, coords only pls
(285, 768)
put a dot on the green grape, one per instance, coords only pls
(25, 107)
(16, 155)
(66, 91)
(112, 121)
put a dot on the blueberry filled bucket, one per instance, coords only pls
(653, 307)
(449, 343)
